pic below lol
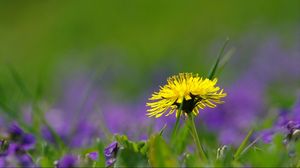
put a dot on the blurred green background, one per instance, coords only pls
(39, 37)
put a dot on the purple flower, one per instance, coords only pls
(84, 130)
(131, 119)
(15, 131)
(293, 128)
(78, 103)
(28, 141)
(287, 123)
(14, 151)
(111, 149)
(292, 125)
(126, 118)
(47, 135)
(17, 135)
(245, 104)
(16, 156)
(233, 119)
(267, 135)
(110, 153)
(68, 161)
(25, 160)
(93, 156)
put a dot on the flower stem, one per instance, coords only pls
(196, 137)
(177, 121)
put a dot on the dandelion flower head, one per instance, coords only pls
(187, 92)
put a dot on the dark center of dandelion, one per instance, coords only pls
(189, 105)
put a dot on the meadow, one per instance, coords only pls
(150, 84)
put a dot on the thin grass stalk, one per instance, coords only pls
(243, 145)
(195, 136)
(214, 68)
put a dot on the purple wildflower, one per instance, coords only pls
(245, 107)
(15, 131)
(16, 156)
(28, 141)
(25, 160)
(119, 119)
(78, 104)
(68, 161)
(93, 156)
(17, 135)
(47, 135)
(233, 119)
(287, 123)
(14, 151)
(293, 128)
(267, 135)
(110, 153)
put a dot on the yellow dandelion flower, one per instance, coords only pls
(186, 91)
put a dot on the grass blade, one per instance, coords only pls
(250, 145)
(162, 130)
(215, 66)
(243, 145)
(223, 62)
